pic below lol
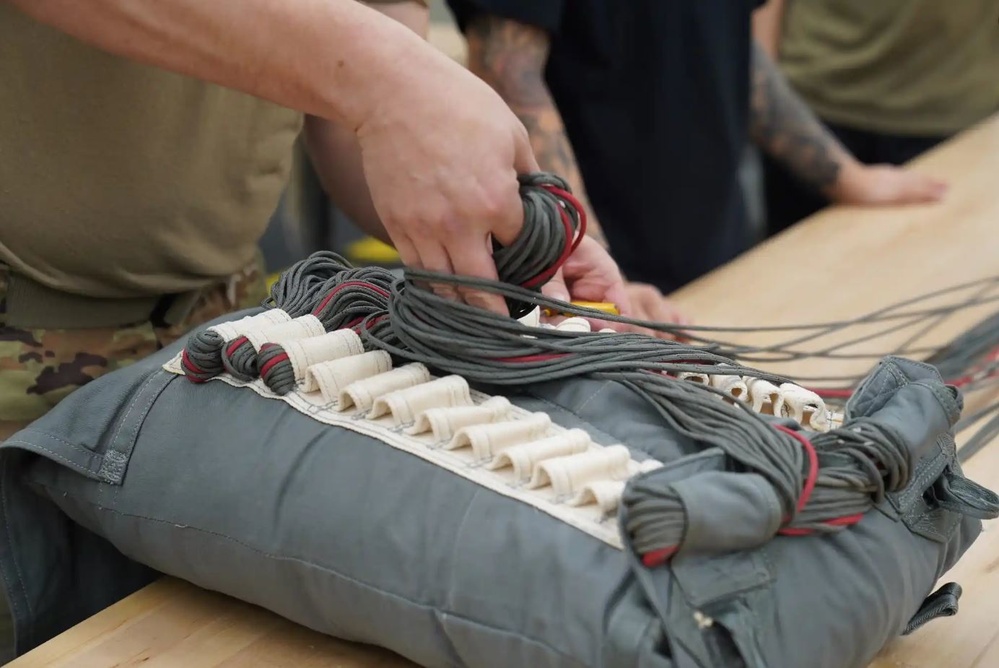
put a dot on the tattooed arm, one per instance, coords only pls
(511, 57)
(782, 125)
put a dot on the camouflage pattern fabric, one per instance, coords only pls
(41, 367)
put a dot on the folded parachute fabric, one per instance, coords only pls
(385, 466)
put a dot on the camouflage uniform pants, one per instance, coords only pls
(41, 367)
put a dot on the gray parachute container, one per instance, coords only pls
(340, 528)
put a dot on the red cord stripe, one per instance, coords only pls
(357, 284)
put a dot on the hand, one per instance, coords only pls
(885, 184)
(441, 156)
(648, 303)
(591, 274)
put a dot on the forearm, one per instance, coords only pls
(330, 58)
(782, 125)
(767, 23)
(336, 157)
(511, 58)
(334, 151)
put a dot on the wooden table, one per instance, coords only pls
(838, 264)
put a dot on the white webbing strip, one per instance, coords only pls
(765, 396)
(300, 328)
(404, 405)
(233, 330)
(567, 475)
(732, 385)
(362, 393)
(332, 376)
(804, 407)
(487, 440)
(523, 457)
(444, 422)
(514, 452)
(702, 378)
(304, 353)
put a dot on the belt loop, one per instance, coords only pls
(179, 307)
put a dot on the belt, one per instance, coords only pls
(31, 305)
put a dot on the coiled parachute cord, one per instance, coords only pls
(658, 517)
(327, 286)
(207, 353)
(202, 356)
(276, 369)
(342, 301)
(346, 300)
(554, 225)
(239, 359)
(296, 290)
(822, 484)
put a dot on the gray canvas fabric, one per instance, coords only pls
(142, 472)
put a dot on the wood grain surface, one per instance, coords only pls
(839, 264)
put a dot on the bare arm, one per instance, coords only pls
(439, 199)
(330, 58)
(767, 21)
(783, 126)
(334, 150)
(511, 57)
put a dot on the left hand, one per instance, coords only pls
(885, 184)
(591, 274)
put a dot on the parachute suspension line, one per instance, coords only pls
(407, 319)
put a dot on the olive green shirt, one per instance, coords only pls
(900, 67)
(118, 179)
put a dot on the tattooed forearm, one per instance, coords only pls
(783, 125)
(511, 57)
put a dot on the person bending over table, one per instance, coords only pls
(147, 143)
(144, 145)
(646, 106)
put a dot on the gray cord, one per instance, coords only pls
(851, 467)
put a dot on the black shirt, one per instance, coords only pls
(655, 96)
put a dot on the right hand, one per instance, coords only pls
(441, 156)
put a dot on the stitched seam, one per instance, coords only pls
(73, 446)
(600, 389)
(121, 422)
(595, 429)
(127, 455)
(55, 455)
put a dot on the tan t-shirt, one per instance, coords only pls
(922, 67)
(118, 179)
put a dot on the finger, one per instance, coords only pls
(524, 160)
(509, 218)
(556, 288)
(408, 254)
(433, 257)
(506, 212)
(927, 189)
(469, 257)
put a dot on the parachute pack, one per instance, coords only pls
(383, 501)
(378, 463)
